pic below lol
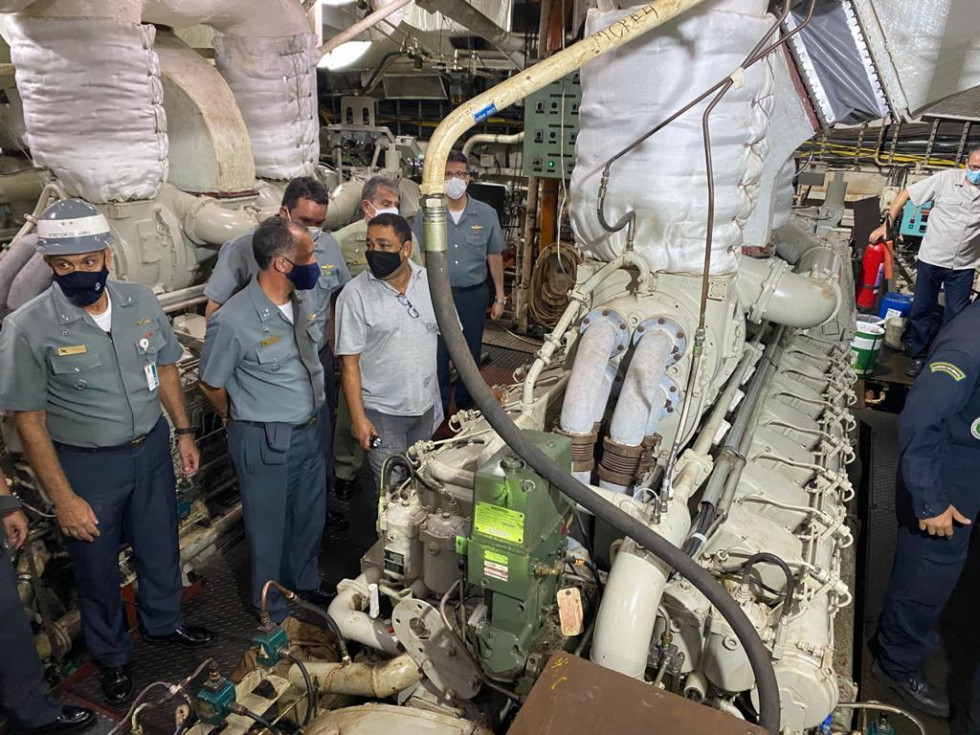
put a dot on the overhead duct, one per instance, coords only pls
(663, 180)
(92, 98)
(477, 23)
(267, 53)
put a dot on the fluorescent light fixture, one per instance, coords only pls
(344, 55)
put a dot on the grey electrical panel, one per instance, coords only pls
(551, 127)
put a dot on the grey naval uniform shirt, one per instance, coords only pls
(952, 239)
(93, 385)
(236, 266)
(398, 351)
(477, 235)
(268, 366)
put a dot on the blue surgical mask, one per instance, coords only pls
(973, 177)
(304, 277)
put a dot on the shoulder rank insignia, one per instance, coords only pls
(142, 322)
(476, 227)
(949, 368)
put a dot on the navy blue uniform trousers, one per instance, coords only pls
(329, 410)
(284, 498)
(132, 492)
(925, 570)
(23, 692)
(922, 319)
(471, 306)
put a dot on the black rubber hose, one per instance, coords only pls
(765, 556)
(256, 718)
(330, 622)
(310, 691)
(760, 659)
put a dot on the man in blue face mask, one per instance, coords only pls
(261, 372)
(949, 253)
(85, 368)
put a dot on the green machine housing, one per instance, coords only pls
(515, 552)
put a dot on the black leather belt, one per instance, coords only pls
(464, 289)
(261, 424)
(125, 447)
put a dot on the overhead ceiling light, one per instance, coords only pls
(344, 55)
(336, 2)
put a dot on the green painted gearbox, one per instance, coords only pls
(515, 553)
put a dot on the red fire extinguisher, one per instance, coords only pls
(877, 268)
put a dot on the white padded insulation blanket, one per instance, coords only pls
(274, 82)
(628, 91)
(93, 104)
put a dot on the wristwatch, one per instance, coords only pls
(185, 431)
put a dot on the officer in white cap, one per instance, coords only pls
(85, 367)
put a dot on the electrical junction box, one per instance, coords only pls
(213, 702)
(515, 553)
(915, 219)
(551, 127)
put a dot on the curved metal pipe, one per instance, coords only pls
(587, 389)
(768, 290)
(485, 138)
(379, 680)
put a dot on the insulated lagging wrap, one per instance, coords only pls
(760, 660)
(93, 104)
(274, 82)
(629, 91)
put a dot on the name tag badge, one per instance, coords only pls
(271, 340)
(73, 350)
(152, 379)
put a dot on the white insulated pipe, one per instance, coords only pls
(379, 680)
(365, 23)
(348, 609)
(587, 391)
(488, 138)
(642, 399)
(768, 289)
(634, 590)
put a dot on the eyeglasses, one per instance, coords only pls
(412, 311)
(457, 175)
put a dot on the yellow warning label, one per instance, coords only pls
(495, 557)
(501, 523)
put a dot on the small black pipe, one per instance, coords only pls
(765, 556)
(310, 691)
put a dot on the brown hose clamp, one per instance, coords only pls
(620, 462)
(583, 448)
(648, 459)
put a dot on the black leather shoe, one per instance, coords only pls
(322, 595)
(336, 521)
(915, 368)
(186, 636)
(71, 719)
(916, 691)
(343, 489)
(117, 684)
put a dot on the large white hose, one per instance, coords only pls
(348, 611)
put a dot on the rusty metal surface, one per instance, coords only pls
(573, 695)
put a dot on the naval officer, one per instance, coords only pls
(85, 367)
(261, 371)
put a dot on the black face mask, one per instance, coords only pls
(382, 263)
(83, 288)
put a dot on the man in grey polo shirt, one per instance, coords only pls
(304, 203)
(261, 372)
(950, 250)
(85, 367)
(387, 340)
(475, 244)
